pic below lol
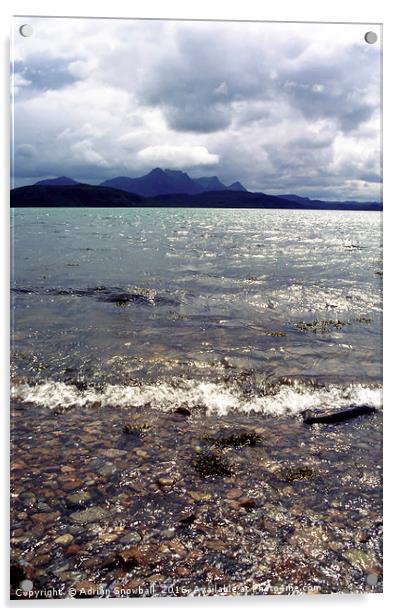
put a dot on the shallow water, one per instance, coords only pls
(227, 310)
(244, 319)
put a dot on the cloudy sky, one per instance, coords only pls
(281, 107)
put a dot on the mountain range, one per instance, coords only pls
(157, 182)
(169, 188)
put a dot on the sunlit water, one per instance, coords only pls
(224, 311)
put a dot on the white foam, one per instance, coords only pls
(215, 398)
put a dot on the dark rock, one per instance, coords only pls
(187, 518)
(247, 503)
(311, 417)
(18, 573)
(182, 410)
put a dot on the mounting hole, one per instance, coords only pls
(371, 37)
(26, 30)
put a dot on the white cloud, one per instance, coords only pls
(175, 156)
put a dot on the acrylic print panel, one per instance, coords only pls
(196, 308)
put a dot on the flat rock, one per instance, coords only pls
(114, 453)
(106, 469)
(64, 539)
(46, 518)
(78, 498)
(142, 555)
(130, 538)
(92, 514)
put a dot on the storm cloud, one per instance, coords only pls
(280, 107)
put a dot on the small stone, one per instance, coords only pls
(165, 482)
(46, 518)
(29, 499)
(114, 453)
(143, 555)
(182, 571)
(78, 498)
(66, 469)
(200, 496)
(42, 506)
(141, 453)
(233, 493)
(64, 539)
(107, 469)
(168, 533)
(74, 548)
(92, 514)
(130, 538)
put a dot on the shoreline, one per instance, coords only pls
(121, 501)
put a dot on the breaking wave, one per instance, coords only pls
(201, 397)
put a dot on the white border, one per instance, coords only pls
(364, 11)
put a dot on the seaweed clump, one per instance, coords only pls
(211, 465)
(320, 326)
(121, 301)
(300, 473)
(136, 430)
(235, 440)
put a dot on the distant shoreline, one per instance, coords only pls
(85, 195)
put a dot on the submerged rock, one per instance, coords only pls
(64, 539)
(142, 555)
(78, 498)
(130, 538)
(92, 514)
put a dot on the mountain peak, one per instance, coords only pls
(157, 171)
(60, 181)
(237, 186)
